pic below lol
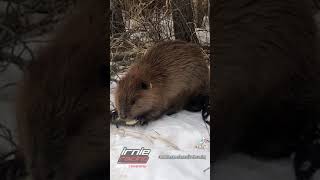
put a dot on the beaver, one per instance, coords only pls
(168, 78)
(266, 77)
(61, 103)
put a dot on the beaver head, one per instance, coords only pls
(136, 97)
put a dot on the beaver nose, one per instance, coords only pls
(123, 112)
(123, 116)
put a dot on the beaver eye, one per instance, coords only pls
(133, 101)
(144, 85)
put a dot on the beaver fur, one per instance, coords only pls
(266, 79)
(61, 104)
(169, 76)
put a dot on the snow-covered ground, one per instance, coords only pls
(182, 133)
(241, 167)
(178, 134)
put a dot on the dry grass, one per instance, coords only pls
(144, 26)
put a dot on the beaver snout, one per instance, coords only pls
(123, 112)
(123, 116)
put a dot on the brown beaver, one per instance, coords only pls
(266, 77)
(166, 79)
(62, 106)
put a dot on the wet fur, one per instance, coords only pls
(61, 104)
(172, 72)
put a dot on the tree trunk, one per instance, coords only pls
(182, 17)
(117, 23)
(199, 9)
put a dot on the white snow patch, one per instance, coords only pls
(178, 134)
(241, 167)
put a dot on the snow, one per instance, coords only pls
(243, 167)
(180, 133)
(168, 136)
(171, 135)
